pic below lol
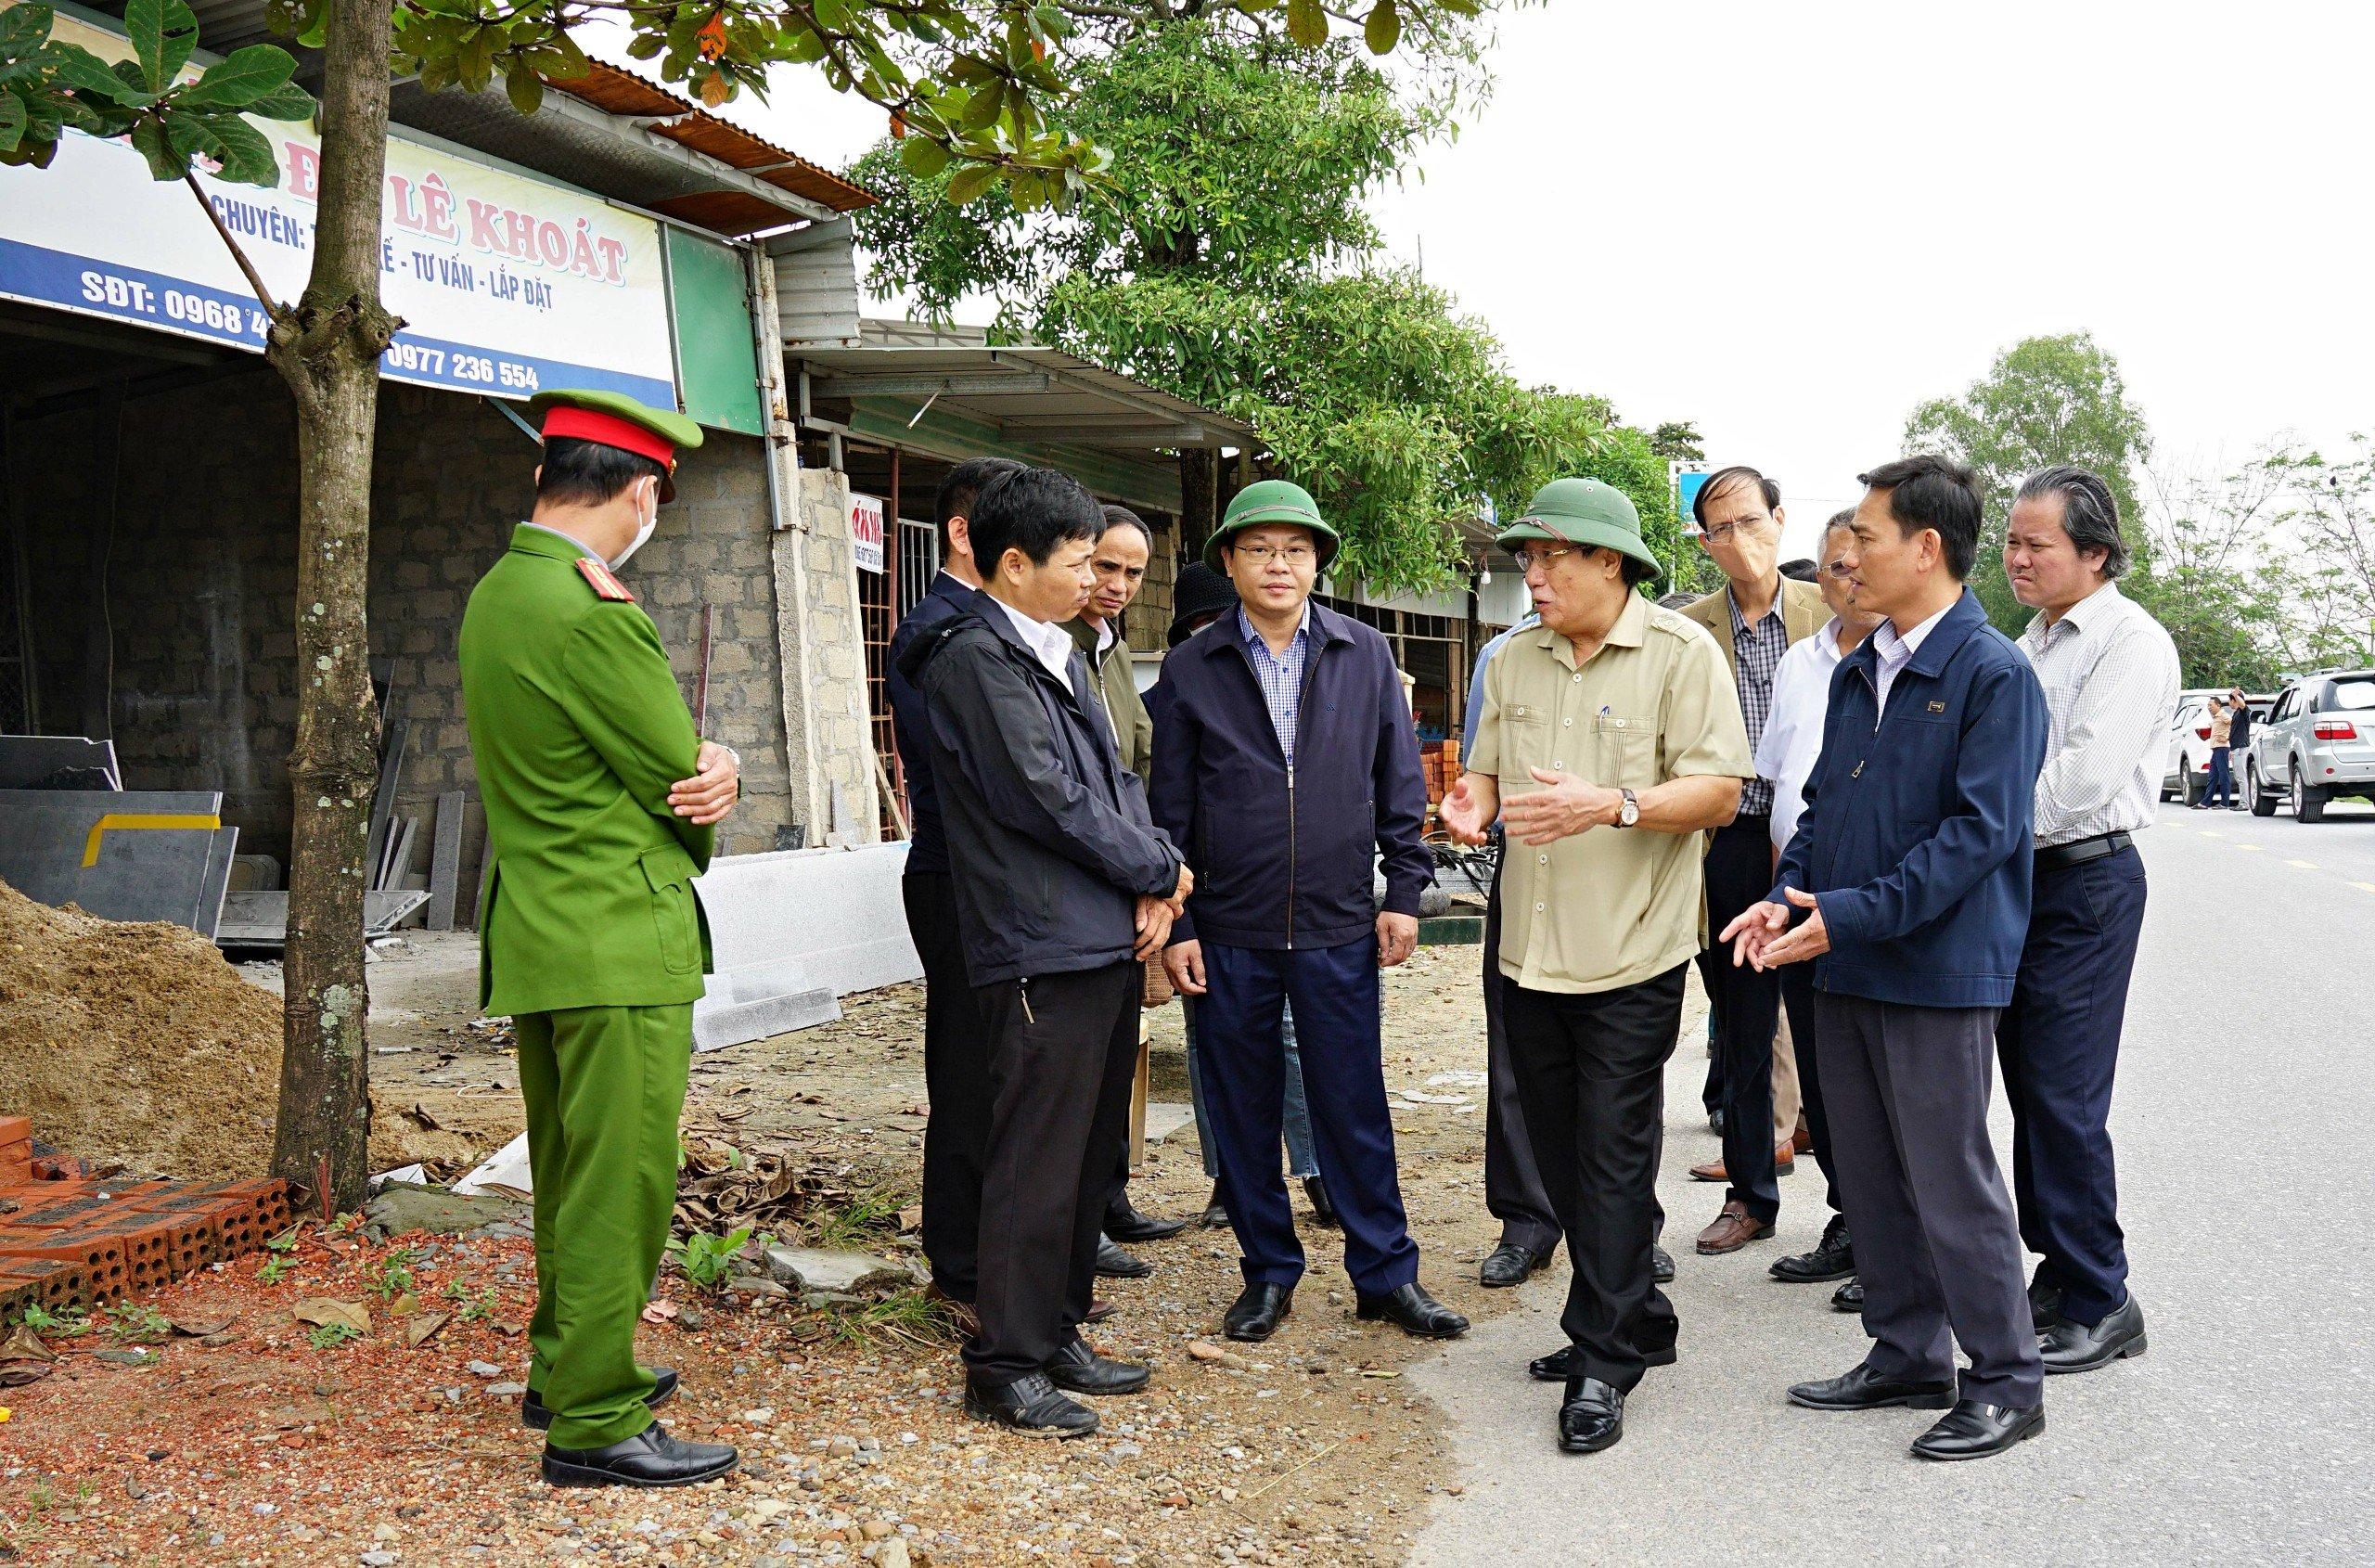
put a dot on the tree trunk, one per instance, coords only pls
(1198, 468)
(328, 347)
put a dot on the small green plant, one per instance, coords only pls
(472, 1308)
(394, 1276)
(136, 1323)
(56, 1325)
(346, 1225)
(864, 1220)
(329, 1336)
(708, 1260)
(276, 1269)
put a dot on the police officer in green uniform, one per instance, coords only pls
(600, 805)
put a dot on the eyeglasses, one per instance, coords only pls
(1293, 555)
(1837, 572)
(1528, 559)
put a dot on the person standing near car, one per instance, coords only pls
(2110, 672)
(2238, 737)
(2222, 770)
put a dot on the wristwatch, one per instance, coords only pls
(1630, 812)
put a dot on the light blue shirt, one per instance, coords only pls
(1280, 675)
(1476, 681)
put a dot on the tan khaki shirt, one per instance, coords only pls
(1608, 906)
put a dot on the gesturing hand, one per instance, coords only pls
(1567, 806)
(1811, 940)
(710, 793)
(1752, 928)
(1462, 813)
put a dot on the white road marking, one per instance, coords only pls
(2305, 865)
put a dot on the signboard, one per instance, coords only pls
(507, 284)
(865, 531)
(1687, 485)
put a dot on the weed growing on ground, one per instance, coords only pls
(136, 1323)
(329, 1336)
(708, 1260)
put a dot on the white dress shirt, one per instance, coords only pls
(1051, 643)
(1793, 737)
(2109, 674)
(1895, 652)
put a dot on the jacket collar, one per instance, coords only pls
(528, 538)
(1963, 618)
(944, 585)
(1323, 626)
(1084, 637)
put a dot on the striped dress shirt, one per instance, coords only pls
(1757, 652)
(2109, 674)
(1281, 677)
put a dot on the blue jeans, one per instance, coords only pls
(2222, 778)
(1302, 1161)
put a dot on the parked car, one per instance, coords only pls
(2317, 743)
(2188, 775)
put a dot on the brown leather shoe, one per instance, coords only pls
(960, 1314)
(1802, 1141)
(1784, 1162)
(1733, 1229)
(1099, 1309)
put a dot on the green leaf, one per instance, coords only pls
(923, 159)
(85, 72)
(12, 121)
(1383, 29)
(150, 140)
(971, 182)
(162, 33)
(245, 75)
(526, 90)
(645, 45)
(291, 102)
(22, 28)
(1306, 23)
(244, 151)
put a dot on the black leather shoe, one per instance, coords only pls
(1848, 1297)
(1973, 1430)
(1834, 1258)
(1857, 1389)
(1255, 1315)
(1592, 1416)
(1412, 1310)
(1030, 1405)
(1322, 1211)
(651, 1458)
(1509, 1265)
(1560, 1365)
(1078, 1370)
(1123, 1223)
(2045, 1304)
(1661, 1266)
(2074, 1347)
(1715, 1122)
(1215, 1216)
(1115, 1263)
(534, 1415)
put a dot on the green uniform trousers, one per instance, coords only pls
(603, 1088)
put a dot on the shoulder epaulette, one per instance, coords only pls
(599, 578)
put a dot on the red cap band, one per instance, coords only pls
(588, 424)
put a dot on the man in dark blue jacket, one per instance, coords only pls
(1909, 877)
(1063, 889)
(955, 1055)
(1284, 762)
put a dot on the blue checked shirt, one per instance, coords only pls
(1281, 677)
(1757, 649)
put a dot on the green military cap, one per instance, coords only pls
(616, 419)
(1272, 501)
(1582, 511)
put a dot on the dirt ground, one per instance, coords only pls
(256, 1441)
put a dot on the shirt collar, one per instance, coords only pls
(572, 541)
(2104, 604)
(1631, 626)
(1740, 625)
(1050, 641)
(1246, 632)
(1902, 649)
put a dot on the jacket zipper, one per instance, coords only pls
(1022, 993)
(1310, 673)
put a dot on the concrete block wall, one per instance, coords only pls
(824, 661)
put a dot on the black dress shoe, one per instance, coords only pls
(1592, 1416)
(1078, 1370)
(1124, 1223)
(1858, 1389)
(1848, 1297)
(1715, 1122)
(534, 1415)
(1973, 1430)
(1834, 1258)
(1413, 1311)
(1115, 1263)
(651, 1458)
(1322, 1211)
(1661, 1266)
(1215, 1216)
(1560, 1365)
(2074, 1347)
(1255, 1315)
(1509, 1265)
(1030, 1405)
(2045, 1304)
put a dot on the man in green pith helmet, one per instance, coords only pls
(601, 806)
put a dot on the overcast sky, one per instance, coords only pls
(1791, 223)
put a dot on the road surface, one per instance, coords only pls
(2247, 1172)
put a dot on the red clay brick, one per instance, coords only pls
(59, 1167)
(102, 1257)
(15, 1129)
(54, 1285)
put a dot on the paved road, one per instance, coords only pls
(2246, 1436)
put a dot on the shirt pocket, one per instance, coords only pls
(1525, 741)
(668, 873)
(1624, 751)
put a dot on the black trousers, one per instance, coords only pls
(1513, 1192)
(1747, 1009)
(1062, 1050)
(1798, 997)
(957, 1084)
(1591, 1070)
(2059, 1043)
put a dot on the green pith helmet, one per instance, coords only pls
(1582, 511)
(1272, 500)
(615, 419)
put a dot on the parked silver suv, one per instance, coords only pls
(2317, 744)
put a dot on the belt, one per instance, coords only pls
(2055, 857)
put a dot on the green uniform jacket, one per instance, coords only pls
(1133, 726)
(578, 731)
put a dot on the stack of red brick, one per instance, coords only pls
(67, 1241)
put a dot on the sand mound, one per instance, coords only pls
(135, 1043)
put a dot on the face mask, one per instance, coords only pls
(642, 532)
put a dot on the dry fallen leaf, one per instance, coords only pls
(26, 1345)
(419, 1330)
(911, 1217)
(660, 1312)
(200, 1324)
(325, 1312)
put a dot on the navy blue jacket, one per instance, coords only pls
(1048, 841)
(1283, 858)
(927, 845)
(1916, 835)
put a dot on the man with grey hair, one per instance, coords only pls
(2109, 674)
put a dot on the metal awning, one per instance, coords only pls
(1027, 393)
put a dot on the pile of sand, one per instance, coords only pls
(135, 1043)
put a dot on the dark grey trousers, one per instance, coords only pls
(1513, 1189)
(1905, 1089)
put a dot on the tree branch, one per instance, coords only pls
(254, 280)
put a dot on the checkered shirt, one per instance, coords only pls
(1758, 651)
(1281, 676)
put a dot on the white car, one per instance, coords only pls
(2188, 775)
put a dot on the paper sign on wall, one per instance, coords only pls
(865, 531)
